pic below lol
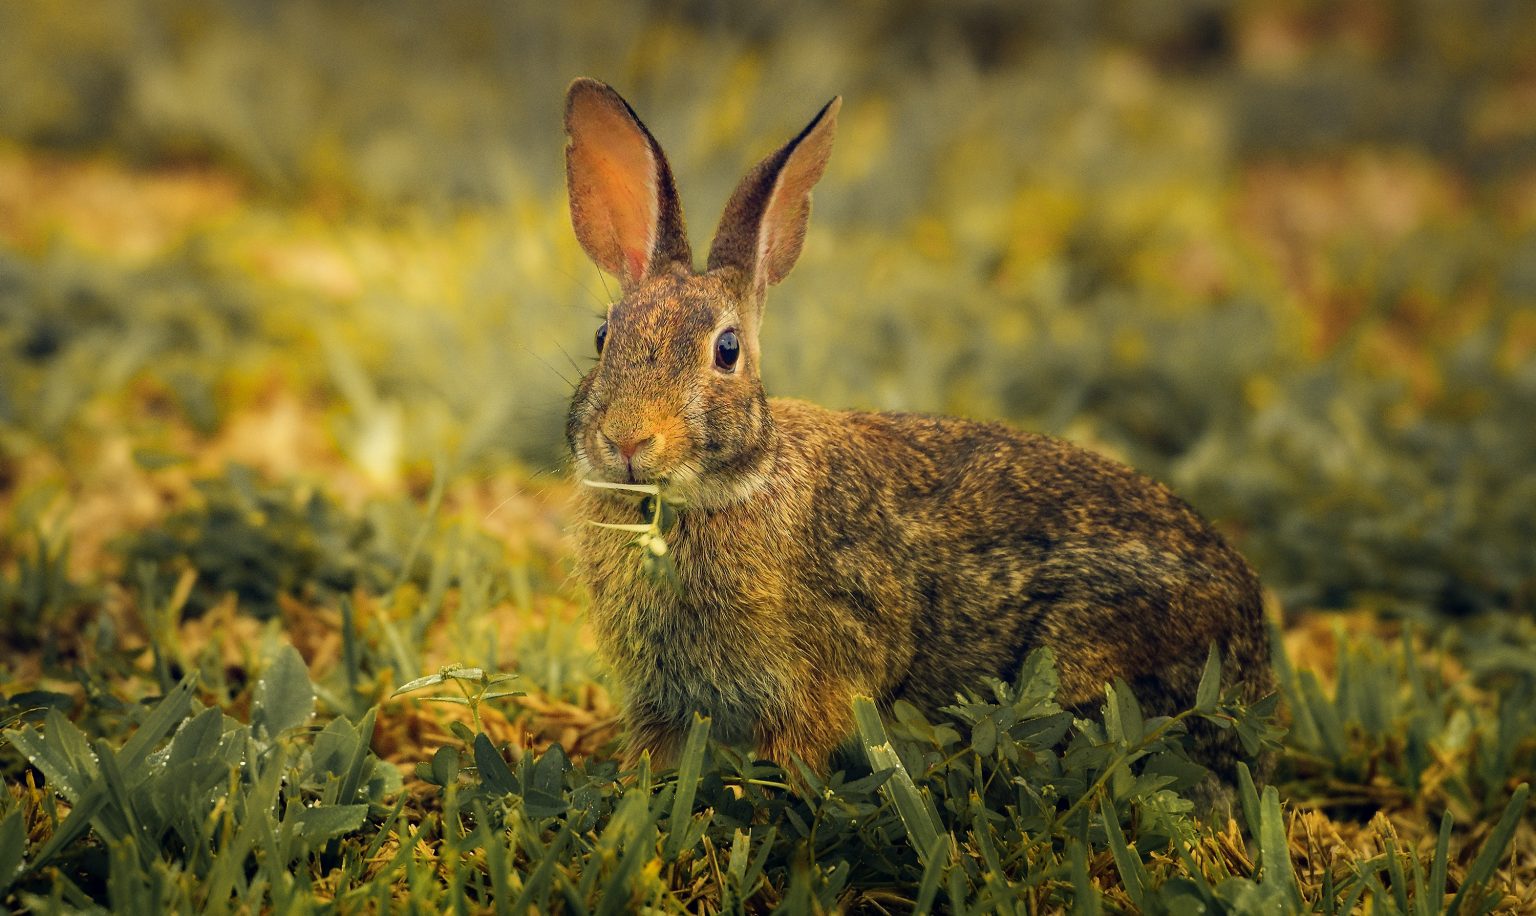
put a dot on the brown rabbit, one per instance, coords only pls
(822, 554)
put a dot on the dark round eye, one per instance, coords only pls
(727, 349)
(602, 337)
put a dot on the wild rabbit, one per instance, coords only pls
(821, 554)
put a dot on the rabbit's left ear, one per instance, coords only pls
(763, 227)
(624, 205)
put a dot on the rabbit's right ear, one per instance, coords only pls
(624, 205)
(763, 227)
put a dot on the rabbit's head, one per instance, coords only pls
(675, 397)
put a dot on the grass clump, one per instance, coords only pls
(169, 818)
(1003, 802)
(259, 541)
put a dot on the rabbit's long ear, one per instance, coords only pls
(763, 227)
(624, 205)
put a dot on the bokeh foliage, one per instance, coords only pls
(290, 305)
(1279, 254)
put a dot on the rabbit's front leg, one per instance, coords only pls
(811, 729)
(661, 741)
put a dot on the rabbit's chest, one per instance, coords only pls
(711, 644)
(678, 658)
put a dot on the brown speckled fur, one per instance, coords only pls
(824, 554)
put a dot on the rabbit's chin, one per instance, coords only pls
(684, 484)
(688, 487)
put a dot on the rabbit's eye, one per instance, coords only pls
(602, 337)
(727, 349)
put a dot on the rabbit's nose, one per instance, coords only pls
(627, 446)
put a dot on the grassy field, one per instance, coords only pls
(290, 308)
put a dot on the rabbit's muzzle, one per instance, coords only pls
(626, 447)
(635, 452)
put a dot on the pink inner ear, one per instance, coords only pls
(613, 186)
(636, 261)
(781, 233)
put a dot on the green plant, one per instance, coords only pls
(475, 686)
(1395, 713)
(216, 799)
(650, 536)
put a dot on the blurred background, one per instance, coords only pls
(1278, 253)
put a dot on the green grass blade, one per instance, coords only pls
(690, 765)
(1330, 728)
(1493, 849)
(759, 862)
(13, 847)
(1395, 870)
(1132, 873)
(741, 846)
(166, 714)
(536, 890)
(1302, 724)
(1248, 798)
(917, 813)
(1085, 897)
(933, 873)
(1441, 863)
(1274, 848)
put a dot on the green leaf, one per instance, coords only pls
(284, 696)
(495, 775)
(1243, 896)
(984, 736)
(1133, 875)
(1130, 712)
(61, 752)
(544, 780)
(1208, 694)
(198, 737)
(445, 766)
(13, 848)
(1038, 684)
(313, 827)
(419, 683)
